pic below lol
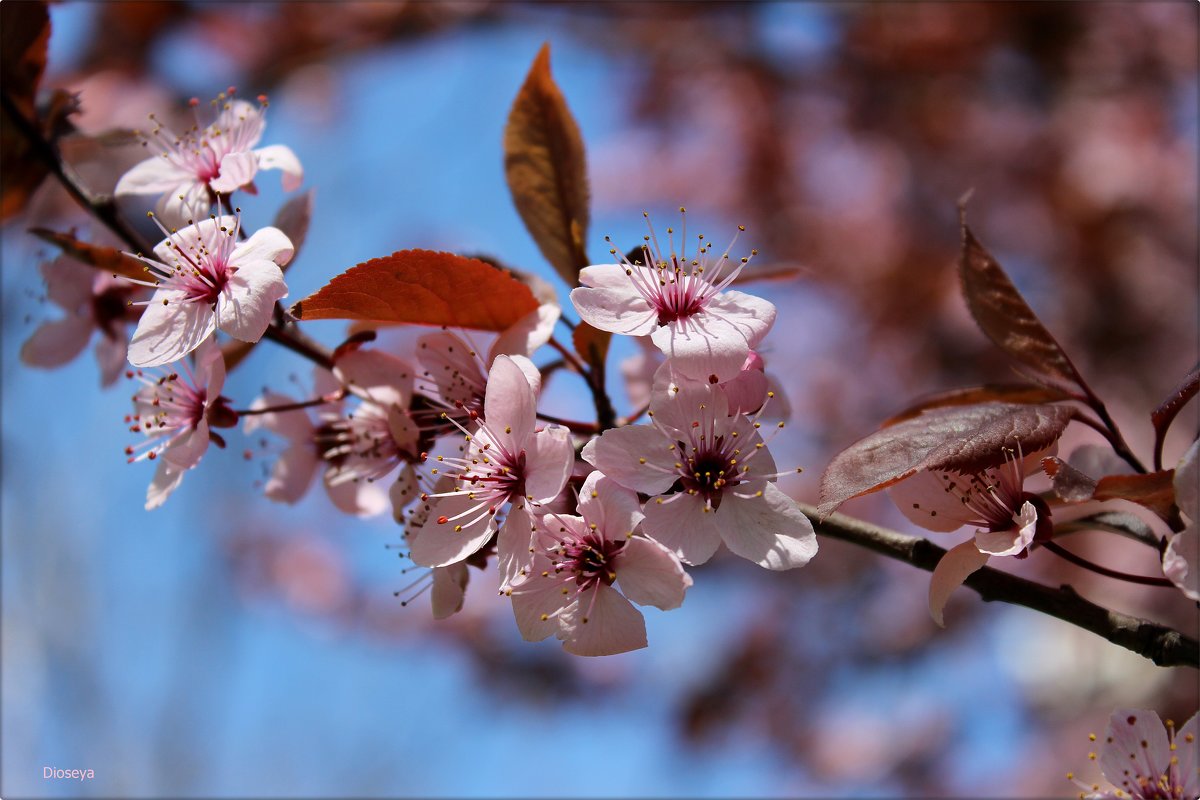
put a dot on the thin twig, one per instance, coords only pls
(1162, 645)
(316, 401)
(1080, 561)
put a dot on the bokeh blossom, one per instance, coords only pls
(93, 301)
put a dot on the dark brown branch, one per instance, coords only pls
(1162, 645)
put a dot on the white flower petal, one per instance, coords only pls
(166, 480)
(155, 175)
(56, 342)
(703, 346)
(612, 508)
(619, 310)
(509, 405)
(650, 574)
(638, 457)
(449, 589)
(770, 530)
(549, 458)
(236, 170)
(466, 527)
(684, 524)
(959, 563)
(169, 330)
(281, 157)
(602, 623)
(245, 306)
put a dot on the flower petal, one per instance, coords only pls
(549, 458)
(684, 524)
(184, 204)
(509, 405)
(925, 499)
(236, 170)
(512, 545)
(295, 425)
(536, 600)
(355, 496)
(1012, 540)
(458, 526)
(404, 490)
(245, 306)
(267, 244)
(155, 175)
(528, 333)
(638, 457)
(293, 473)
(619, 310)
(170, 328)
(281, 157)
(449, 589)
(166, 480)
(56, 342)
(959, 563)
(650, 574)
(111, 354)
(770, 530)
(69, 284)
(602, 623)
(1181, 561)
(1187, 483)
(703, 346)
(750, 315)
(1139, 744)
(376, 376)
(1187, 739)
(612, 508)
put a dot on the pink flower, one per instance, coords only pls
(94, 301)
(507, 461)
(206, 279)
(1181, 559)
(447, 585)
(682, 303)
(1146, 762)
(569, 587)
(709, 476)
(190, 169)
(746, 391)
(362, 450)
(1007, 517)
(176, 412)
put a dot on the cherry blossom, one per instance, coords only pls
(176, 412)
(994, 500)
(710, 477)
(94, 301)
(1144, 761)
(362, 450)
(746, 391)
(681, 302)
(569, 587)
(206, 279)
(506, 461)
(188, 170)
(447, 586)
(1182, 556)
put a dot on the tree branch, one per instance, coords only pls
(1162, 645)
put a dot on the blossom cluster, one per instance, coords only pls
(580, 526)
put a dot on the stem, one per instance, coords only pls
(1116, 440)
(1080, 561)
(1162, 645)
(636, 415)
(316, 401)
(299, 343)
(569, 357)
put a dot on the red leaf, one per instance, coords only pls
(422, 287)
(106, 259)
(1022, 393)
(546, 169)
(1164, 415)
(1005, 318)
(1155, 491)
(591, 344)
(958, 439)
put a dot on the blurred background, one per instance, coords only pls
(227, 646)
